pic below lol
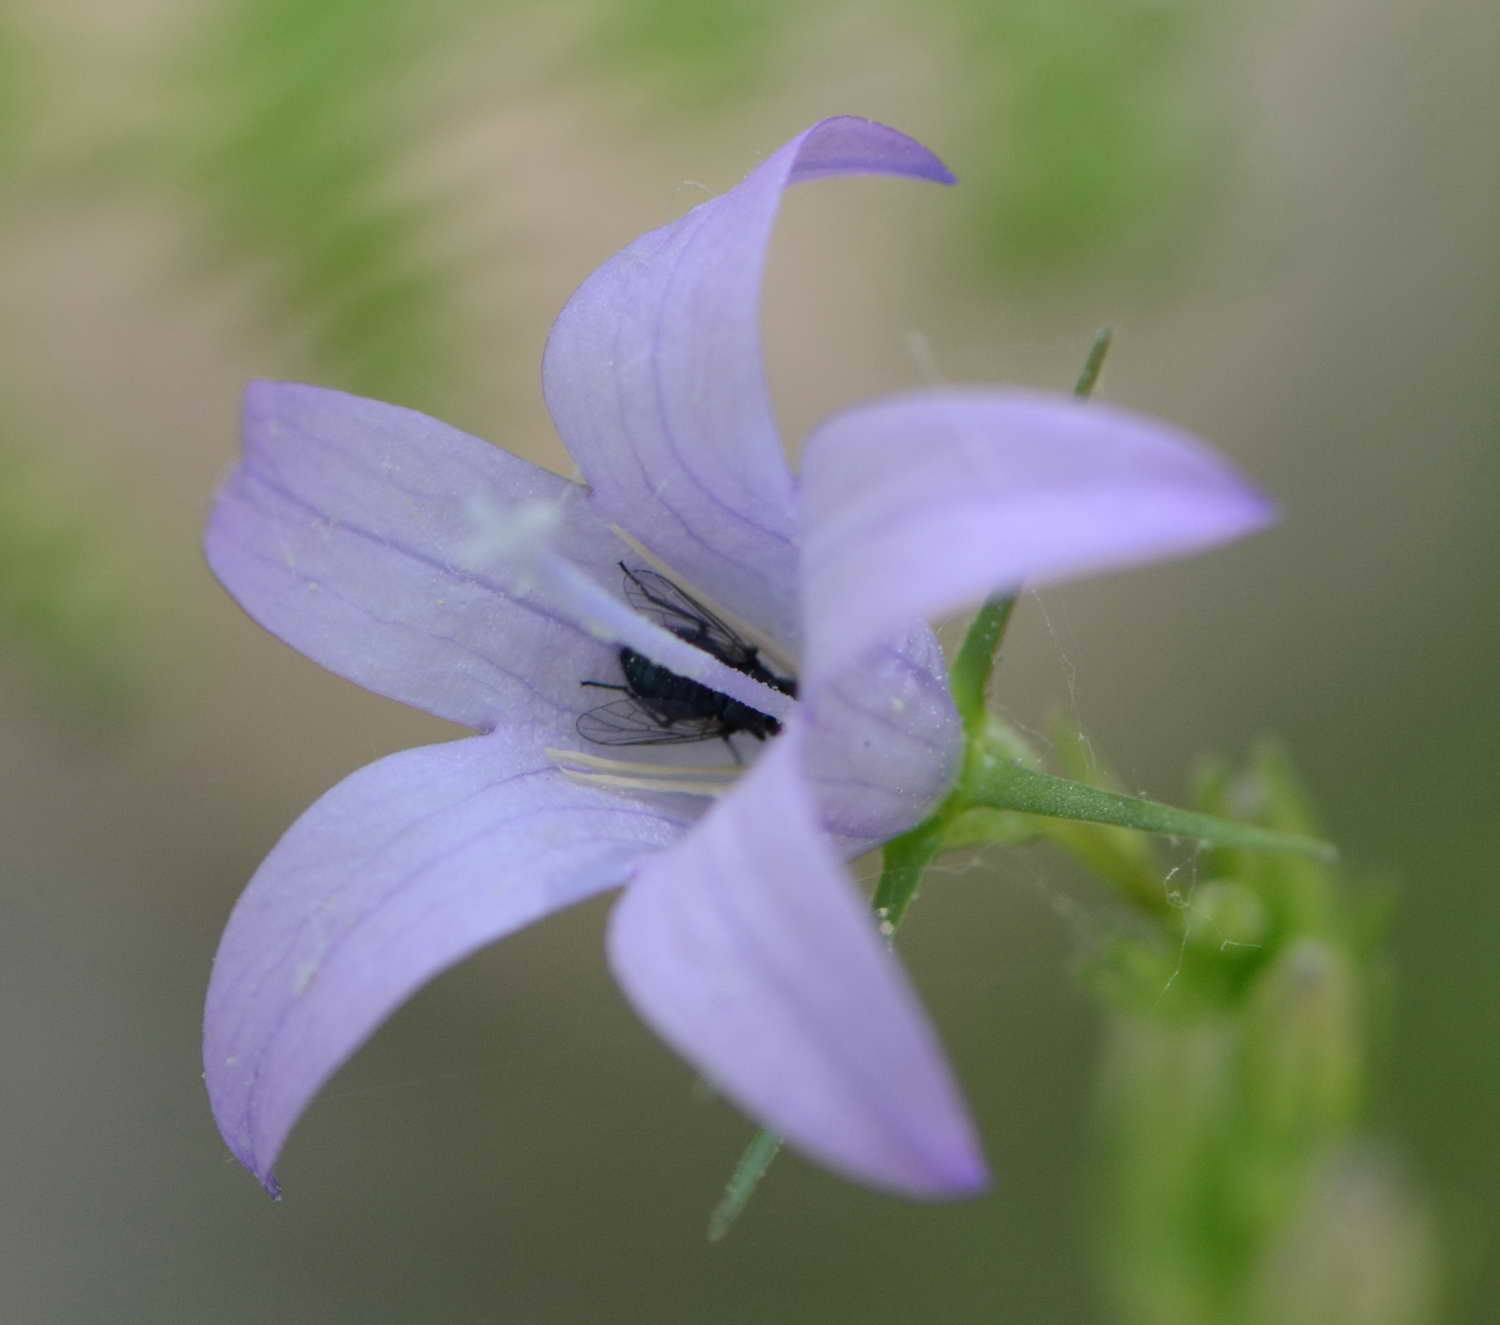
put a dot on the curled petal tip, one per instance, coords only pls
(1237, 509)
(853, 144)
(953, 1170)
(969, 1176)
(1261, 511)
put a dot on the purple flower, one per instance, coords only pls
(433, 568)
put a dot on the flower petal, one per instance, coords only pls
(747, 948)
(653, 376)
(347, 529)
(398, 872)
(883, 742)
(915, 505)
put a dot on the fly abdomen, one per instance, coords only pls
(674, 698)
(671, 695)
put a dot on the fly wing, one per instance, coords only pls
(656, 597)
(626, 722)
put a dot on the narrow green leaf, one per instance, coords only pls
(290, 128)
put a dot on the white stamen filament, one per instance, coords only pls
(628, 775)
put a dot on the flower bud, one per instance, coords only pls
(1357, 1252)
(1302, 1044)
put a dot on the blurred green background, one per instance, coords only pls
(1287, 212)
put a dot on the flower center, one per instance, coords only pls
(658, 706)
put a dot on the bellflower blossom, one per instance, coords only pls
(435, 569)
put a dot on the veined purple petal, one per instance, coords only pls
(883, 740)
(748, 949)
(653, 375)
(346, 530)
(394, 875)
(916, 505)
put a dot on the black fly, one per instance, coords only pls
(659, 706)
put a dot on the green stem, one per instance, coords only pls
(1003, 784)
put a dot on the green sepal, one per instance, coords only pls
(764, 1146)
(906, 859)
(969, 676)
(984, 827)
